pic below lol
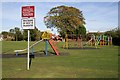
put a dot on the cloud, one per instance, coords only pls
(100, 16)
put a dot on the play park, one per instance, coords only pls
(73, 53)
(96, 58)
(89, 62)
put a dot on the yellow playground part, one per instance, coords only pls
(46, 35)
(66, 42)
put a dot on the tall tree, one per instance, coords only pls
(12, 33)
(34, 34)
(18, 34)
(65, 19)
(115, 33)
(81, 30)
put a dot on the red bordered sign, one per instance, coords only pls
(28, 11)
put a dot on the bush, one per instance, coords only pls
(115, 33)
(116, 41)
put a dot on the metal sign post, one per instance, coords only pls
(28, 22)
(28, 57)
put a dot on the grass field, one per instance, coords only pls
(94, 63)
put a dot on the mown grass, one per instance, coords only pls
(94, 63)
(8, 47)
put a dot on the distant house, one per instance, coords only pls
(6, 37)
(1, 37)
(10, 38)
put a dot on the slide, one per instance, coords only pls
(53, 47)
(26, 48)
(87, 42)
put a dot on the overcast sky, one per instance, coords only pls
(99, 16)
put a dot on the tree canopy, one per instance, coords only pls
(16, 34)
(115, 33)
(35, 34)
(64, 18)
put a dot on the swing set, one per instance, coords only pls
(73, 40)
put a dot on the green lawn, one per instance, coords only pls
(95, 63)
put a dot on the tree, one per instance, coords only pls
(115, 33)
(35, 34)
(65, 19)
(81, 30)
(5, 34)
(25, 35)
(16, 33)
(12, 33)
(38, 35)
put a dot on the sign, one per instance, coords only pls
(28, 23)
(28, 11)
(46, 35)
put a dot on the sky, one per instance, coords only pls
(99, 16)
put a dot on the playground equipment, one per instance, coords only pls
(100, 40)
(93, 41)
(105, 40)
(45, 37)
(52, 43)
(109, 40)
(66, 42)
(26, 48)
(48, 39)
(73, 40)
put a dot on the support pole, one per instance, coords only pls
(108, 40)
(66, 42)
(28, 57)
(103, 40)
(32, 51)
(16, 53)
(46, 47)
